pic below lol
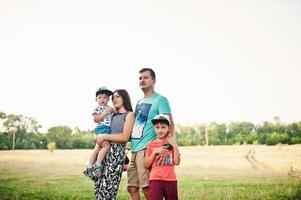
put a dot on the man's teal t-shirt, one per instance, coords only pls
(146, 110)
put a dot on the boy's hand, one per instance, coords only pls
(158, 150)
(109, 110)
(99, 139)
(105, 144)
(163, 155)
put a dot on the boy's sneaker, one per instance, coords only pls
(89, 173)
(97, 171)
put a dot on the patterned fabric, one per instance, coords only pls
(108, 118)
(106, 187)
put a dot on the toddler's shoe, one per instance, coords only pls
(89, 173)
(97, 171)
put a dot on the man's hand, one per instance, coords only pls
(168, 137)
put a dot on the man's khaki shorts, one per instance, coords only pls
(137, 175)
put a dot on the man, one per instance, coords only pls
(147, 108)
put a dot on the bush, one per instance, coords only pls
(255, 142)
(276, 138)
(295, 140)
(294, 179)
(51, 146)
(5, 141)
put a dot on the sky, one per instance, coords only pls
(215, 60)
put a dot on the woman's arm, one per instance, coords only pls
(122, 137)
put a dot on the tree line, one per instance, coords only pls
(22, 132)
(236, 133)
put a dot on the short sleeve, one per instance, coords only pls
(95, 111)
(148, 150)
(164, 106)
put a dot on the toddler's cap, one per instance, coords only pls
(104, 90)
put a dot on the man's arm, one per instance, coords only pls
(171, 125)
(176, 154)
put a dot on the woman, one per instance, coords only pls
(106, 186)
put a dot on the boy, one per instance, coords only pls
(162, 179)
(102, 116)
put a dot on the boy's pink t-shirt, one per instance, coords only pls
(165, 171)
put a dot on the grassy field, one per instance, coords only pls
(213, 172)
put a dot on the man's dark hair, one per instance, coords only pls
(126, 99)
(152, 73)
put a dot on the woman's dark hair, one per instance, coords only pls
(125, 98)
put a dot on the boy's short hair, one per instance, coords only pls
(161, 118)
(103, 90)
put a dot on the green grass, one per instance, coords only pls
(191, 188)
(33, 175)
(22, 186)
(47, 186)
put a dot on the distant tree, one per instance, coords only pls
(61, 136)
(23, 133)
(276, 138)
(294, 132)
(263, 131)
(83, 140)
(216, 133)
(241, 132)
(278, 126)
(2, 115)
(201, 132)
(5, 141)
(17, 126)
